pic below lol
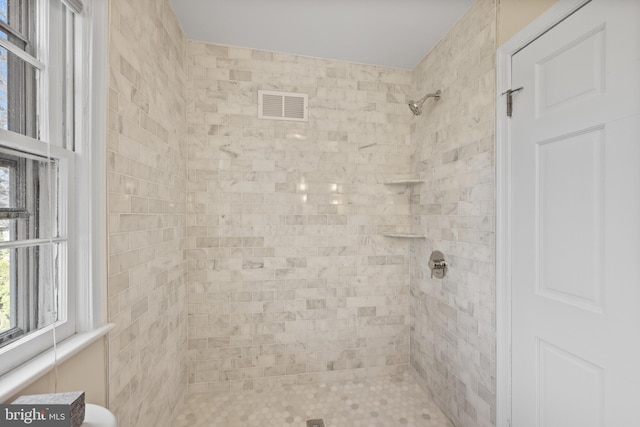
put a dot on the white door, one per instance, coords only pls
(575, 156)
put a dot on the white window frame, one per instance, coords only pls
(82, 198)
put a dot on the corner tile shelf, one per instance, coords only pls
(405, 235)
(405, 182)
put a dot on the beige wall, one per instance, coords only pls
(86, 372)
(514, 15)
(453, 320)
(290, 278)
(146, 206)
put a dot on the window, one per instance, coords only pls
(43, 154)
(26, 219)
(17, 78)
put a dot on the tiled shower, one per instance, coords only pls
(289, 277)
(249, 254)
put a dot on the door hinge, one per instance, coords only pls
(509, 94)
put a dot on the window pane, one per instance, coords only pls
(20, 19)
(5, 292)
(4, 104)
(17, 78)
(29, 290)
(17, 95)
(46, 273)
(7, 182)
(3, 11)
(28, 197)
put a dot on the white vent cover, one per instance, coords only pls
(283, 106)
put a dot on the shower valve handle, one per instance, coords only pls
(438, 265)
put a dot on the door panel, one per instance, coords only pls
(575, 203)
(565, 377)
(569, 214)
(585, 56)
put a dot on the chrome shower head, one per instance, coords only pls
(416, 106)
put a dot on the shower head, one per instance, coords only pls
(416, 106)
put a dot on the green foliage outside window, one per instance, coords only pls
(5, 288)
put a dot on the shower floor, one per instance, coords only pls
(377, 402)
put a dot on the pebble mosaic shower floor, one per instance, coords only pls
(376, 402)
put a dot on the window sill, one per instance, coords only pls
(12, 382)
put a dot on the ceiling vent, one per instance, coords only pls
(283, 106)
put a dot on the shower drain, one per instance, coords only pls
(315, 423)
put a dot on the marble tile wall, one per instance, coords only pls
(289, 277)
(146, 207)
(279, 224)
(453, 320)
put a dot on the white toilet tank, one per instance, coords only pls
(97, 416)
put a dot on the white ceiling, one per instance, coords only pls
(394, 33)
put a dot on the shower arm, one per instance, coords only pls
(416, 106)
(435, 95)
